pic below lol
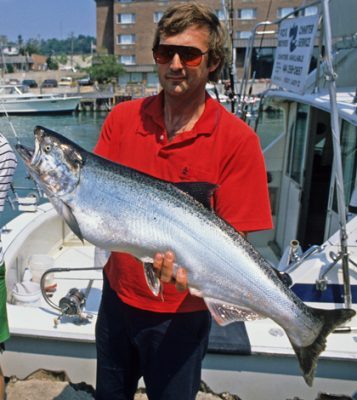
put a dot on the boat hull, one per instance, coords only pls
(53, 105)
(257, 376)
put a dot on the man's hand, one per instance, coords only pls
(164, 268)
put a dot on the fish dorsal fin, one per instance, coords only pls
(201, 191)
(71, 220)
(226, 313)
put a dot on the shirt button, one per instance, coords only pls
(161, 138)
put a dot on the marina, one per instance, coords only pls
(309, 141)
(17, 99)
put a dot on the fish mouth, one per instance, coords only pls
(25, 152)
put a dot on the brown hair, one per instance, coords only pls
(179, 17)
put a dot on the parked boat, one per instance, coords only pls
(16, 99)
(55, 329)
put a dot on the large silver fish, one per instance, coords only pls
(120, 209)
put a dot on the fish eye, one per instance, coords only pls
(47, 148)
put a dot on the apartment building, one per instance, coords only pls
(126, 29)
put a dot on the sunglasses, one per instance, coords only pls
(189, 56)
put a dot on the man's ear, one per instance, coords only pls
(213, 66)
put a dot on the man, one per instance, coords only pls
(179, 135)
(8, 164)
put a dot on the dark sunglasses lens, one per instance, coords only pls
(190, 56)
(162, 55)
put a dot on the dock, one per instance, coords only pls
(101, 101)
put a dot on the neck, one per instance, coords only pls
(181, 114)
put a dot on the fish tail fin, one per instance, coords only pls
(309, 355)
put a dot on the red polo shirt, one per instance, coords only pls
(220, 149)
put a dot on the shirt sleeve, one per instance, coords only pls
(107, 140)
(8, 165)
(242, 197)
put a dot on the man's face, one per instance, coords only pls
(178, 79)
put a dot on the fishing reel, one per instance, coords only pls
(73, 303)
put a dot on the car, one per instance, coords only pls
(68, 68)
(30, 83)
(13, 81)
(49, 83)
(66, 81)
(85, 81)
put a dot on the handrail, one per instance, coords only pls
(309, 252)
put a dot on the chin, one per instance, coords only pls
(177, 89)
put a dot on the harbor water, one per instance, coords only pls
(84, 128)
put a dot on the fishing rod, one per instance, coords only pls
(331, 77)
(10, 122)
(228, 18)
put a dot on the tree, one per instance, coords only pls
(32, 47)
(105, 68)
(51, 63)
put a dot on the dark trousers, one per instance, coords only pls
(166, 349)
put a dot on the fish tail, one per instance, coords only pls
(308, 355)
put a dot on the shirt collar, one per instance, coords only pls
(153, 109)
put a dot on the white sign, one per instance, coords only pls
(293, 54)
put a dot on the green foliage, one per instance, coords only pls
(51, 63)
(72, 45)
(9, 68)
(105, 68)
(31, 47)
(62, 59)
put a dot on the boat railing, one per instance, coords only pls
(296, 260)
(26, 203)
(321, 282)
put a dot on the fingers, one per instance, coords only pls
(164, 267)
(181, 279)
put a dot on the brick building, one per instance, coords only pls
(126, 29)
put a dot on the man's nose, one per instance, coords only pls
(176, 62)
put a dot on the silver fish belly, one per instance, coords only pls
(120, 209)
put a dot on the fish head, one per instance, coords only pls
(55, 163)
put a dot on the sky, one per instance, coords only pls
(47, 19)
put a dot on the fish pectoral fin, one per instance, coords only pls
(71, 220)
(152, 280)
(226, 313)
(200, 191)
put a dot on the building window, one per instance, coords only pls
(243, 34)
(312, 10)
(284, 11)
(127, 60)
(157, 16)
(221, 15)
(247, 13)
(126, 39)
(126, 18)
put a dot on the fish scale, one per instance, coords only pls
(120, 209)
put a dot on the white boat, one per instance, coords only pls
(16, 99)
(252, 359)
